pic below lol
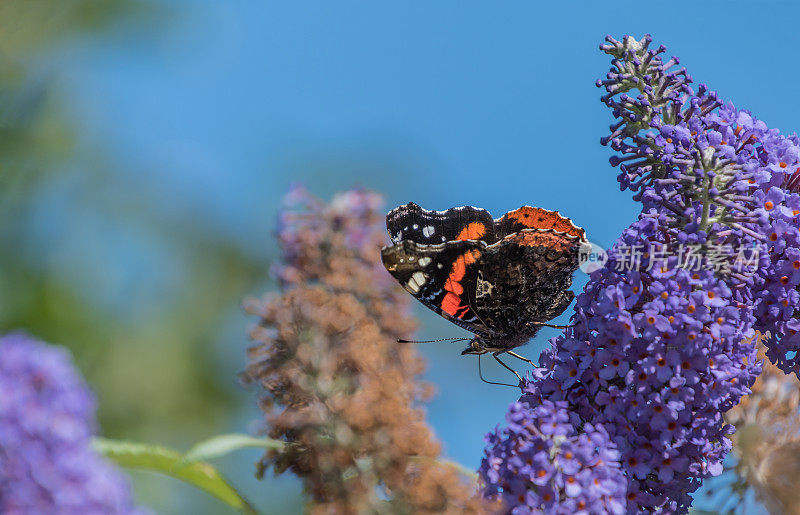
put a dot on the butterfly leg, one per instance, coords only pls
(523, 358)
(559, 307)
(480, 374)
(554, 326)
(494, 355)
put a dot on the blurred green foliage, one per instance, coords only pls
(28, 25)
(148, 345)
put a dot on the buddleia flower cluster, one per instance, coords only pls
(47, 419)
(542, 461)
(340, 391)
(715, 175)
(661, 343)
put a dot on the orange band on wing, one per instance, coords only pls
(538, 218)
(453, 286)
(451, 303)
(458, 270)
(471, 256)
(472, 231)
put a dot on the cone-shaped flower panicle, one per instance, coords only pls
(340, 390)
(662, 344)
(766, 443)
(717, 177)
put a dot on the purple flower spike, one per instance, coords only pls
(541, 462)
(46, 421)
(661, 343)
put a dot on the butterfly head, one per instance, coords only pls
(476, 346)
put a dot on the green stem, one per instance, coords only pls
(705, 198)
(464, 471)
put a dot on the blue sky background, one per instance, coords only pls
(218, 106)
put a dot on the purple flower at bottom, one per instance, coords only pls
(541, 462)
(47, 419)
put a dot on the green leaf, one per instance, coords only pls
(223, 444)
(167, 461)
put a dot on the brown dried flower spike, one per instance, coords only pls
(340, 389)
(766, 442)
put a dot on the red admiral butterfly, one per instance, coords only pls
(500, 279)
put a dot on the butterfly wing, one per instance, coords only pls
(413, 223)
(443, 277)
(492, 277)
(532, 266)
(528, 217)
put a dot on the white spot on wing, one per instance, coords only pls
(415, 283)
(424, 261)
(428, 231)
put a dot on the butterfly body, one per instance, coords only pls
(501, 278)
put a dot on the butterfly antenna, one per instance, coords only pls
(458, 339)
(480, 374)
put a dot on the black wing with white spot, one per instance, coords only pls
(443, 277)
(413, 223)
